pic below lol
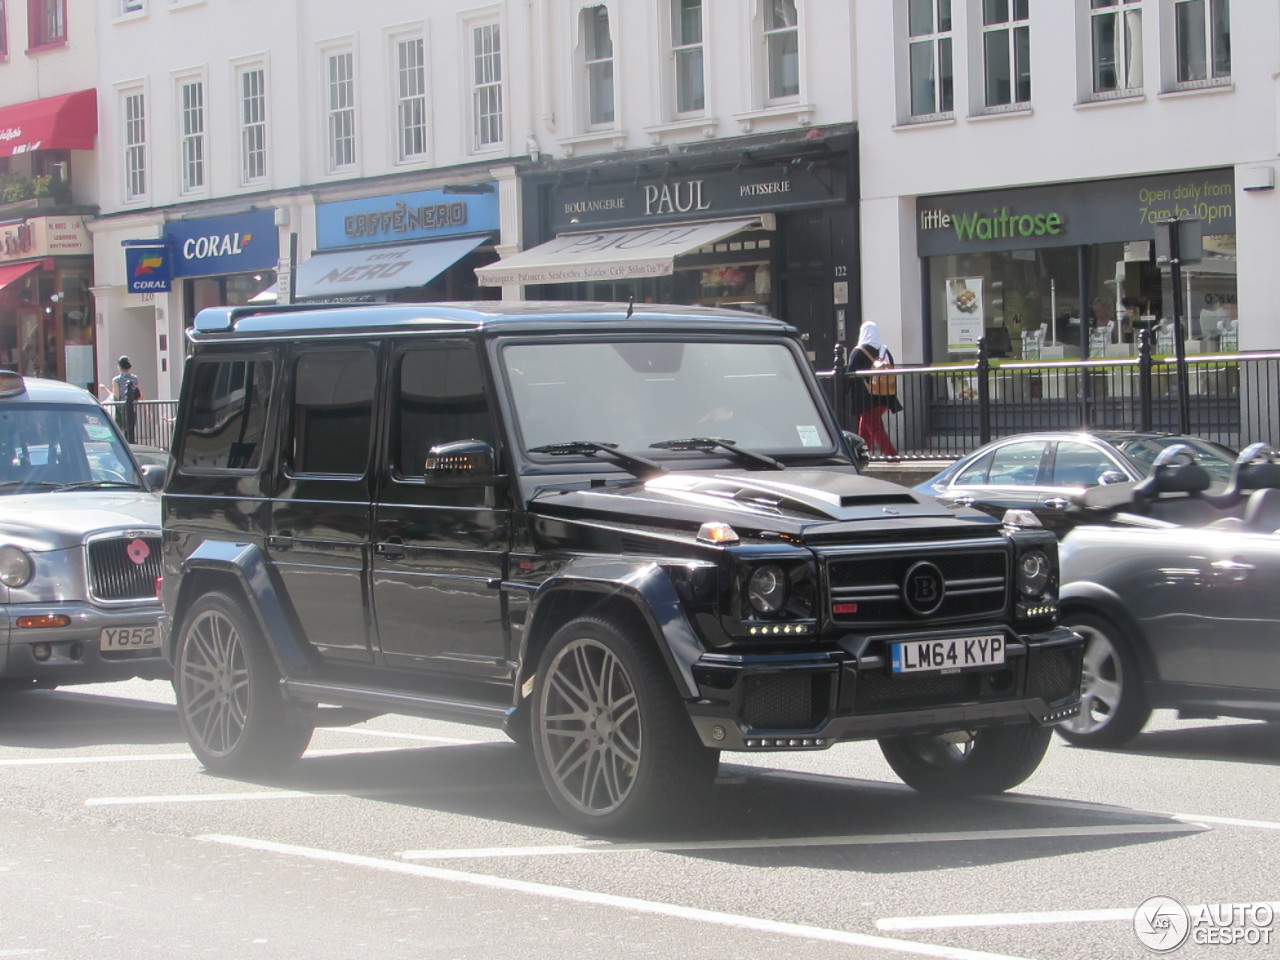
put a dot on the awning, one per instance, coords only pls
(68, 122)
(343, 273)
(9, 272)
(608, 255)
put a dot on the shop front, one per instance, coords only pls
(765, 227)
(406, 247)
(46, 310)
(1072, 270)
(225, 260)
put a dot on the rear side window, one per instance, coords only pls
(226, 414)
(440, 398)
(332, 414)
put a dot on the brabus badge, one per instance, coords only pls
(923, 588)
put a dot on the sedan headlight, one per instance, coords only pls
(15, 566)
(1034, 571)
(767, 589)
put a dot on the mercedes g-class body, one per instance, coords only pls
(630, 537)
(79, 543)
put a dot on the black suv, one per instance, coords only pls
(631, 538)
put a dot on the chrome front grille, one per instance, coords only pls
(867, 589)
(123, 569)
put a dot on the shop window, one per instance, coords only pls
(929, 58)
(411, 98)
(597, 49)
(46, 22)
(486, 86)
(686, 56)
(1115, 32)
(782, 49)
(340, 94)
(253, 125)
(1202, 42)
(1006, 53)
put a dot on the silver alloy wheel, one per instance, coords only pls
(1101, 685)
(591, 727)
(215, 683)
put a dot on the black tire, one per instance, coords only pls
(967, 763)
(1113, 701)
(228, 691)
(613, 743)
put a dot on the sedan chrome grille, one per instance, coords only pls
(123, 569)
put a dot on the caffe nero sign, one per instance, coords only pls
(694, 196)
(1103, 211)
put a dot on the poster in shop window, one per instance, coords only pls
(965, 321)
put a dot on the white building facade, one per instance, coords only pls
(1017, 158)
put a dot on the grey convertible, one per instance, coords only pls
(1175, 586)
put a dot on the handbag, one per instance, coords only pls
(881, 384)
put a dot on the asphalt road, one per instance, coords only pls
(406, 838)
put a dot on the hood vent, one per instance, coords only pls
(877, 500)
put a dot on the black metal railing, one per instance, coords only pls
(949, 409)
(149, 422)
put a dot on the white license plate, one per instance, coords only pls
(948, 656)
(129, 638)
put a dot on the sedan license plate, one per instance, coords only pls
(948, 656)
(129, 638)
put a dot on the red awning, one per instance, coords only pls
(68, 122)
(10, 272)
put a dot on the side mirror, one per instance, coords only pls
(460, 463)
(858, 447)
(1112, 476)
(154, 475)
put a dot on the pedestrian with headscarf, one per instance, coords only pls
(867, 406)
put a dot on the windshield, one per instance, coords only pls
(50, 447)
(1216, 460)
(636, 394)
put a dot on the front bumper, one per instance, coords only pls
(75, 654)
(811, 701)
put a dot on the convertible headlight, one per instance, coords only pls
(15, 566)
(767, 589)
(1034, 571)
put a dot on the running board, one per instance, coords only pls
(396, 701)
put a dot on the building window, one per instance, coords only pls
(1203, 29)
(1115, 27)
(135, 146)
(411, 98)
(4, 33)
(130, 6)
(929, 57)
(46, 22)
(1006, 52)
(686, 48)
(191, 98)
(597, 53)
(486, 84)
(782, 48)
(341, 86)
(253, 125)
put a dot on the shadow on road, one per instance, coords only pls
(1243, 742)
(62, 720)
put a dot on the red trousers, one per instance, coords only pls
(871, 429)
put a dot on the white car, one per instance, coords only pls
(79, 542)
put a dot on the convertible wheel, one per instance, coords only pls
(967, 762)
(613, 744)
(228, 693)
(1113, 705)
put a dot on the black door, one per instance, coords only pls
(440, 552)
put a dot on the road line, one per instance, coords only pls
(593, 898)
(854, 840)
(134, 757)
(1226, 821)
(1030, 918)
(247, 795)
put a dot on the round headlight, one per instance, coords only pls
(767, 589)
(15, 566)
(1033, 573)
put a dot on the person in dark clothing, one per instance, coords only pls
(868, 407)
(127, 394)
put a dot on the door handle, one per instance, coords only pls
(1057, 503)
(1233, 570)
(962, 501)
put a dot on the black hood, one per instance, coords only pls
(797, 502)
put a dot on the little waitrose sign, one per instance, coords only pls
(212, 246)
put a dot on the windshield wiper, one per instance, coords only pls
(20, 485)
(707, 444)
(636, 464)
(98, 484)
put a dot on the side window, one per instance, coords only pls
(226, 416)
(1078, 464)
(331, 419)
(440, 397)
(976, 472)
(1017, 464)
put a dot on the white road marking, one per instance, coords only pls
(593, 898)
(871, 839)
(142, 757)
(1031, 918)
(1226, 821)
(269, 794)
